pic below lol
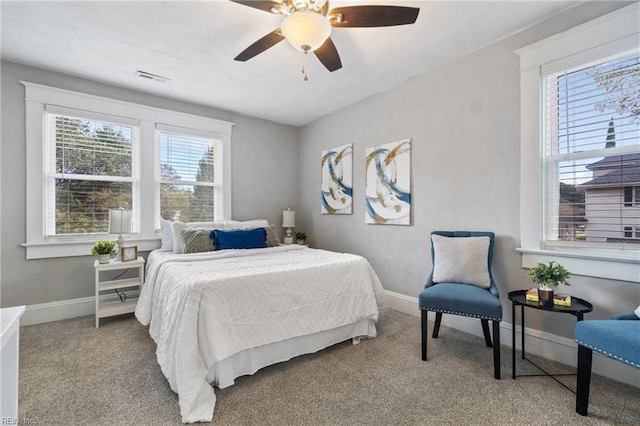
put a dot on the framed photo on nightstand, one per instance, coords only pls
(129, 253)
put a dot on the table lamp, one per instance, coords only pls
(288, 221)
(119, 223)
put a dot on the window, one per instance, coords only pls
(628, 196)
(591, 150)
(632, 232)
(580, 147)
(628, 231)
(631, 196)
(101, 153)
(189, 189)
(92, 166)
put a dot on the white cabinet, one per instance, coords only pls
(9, 360)
(117, 307)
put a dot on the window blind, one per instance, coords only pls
(90, 169)
(188, 176)
(591, 150)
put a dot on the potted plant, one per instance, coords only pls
(104, 249)
(548, 276)
(301, 237)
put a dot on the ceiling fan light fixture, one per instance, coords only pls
(305, 30)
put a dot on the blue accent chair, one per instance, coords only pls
(618, 339)
(463, 299)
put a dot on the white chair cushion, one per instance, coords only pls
(461, 260)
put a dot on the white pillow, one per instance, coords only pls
(461, 260)
(247, 224)
(177, 227)
(166, 235)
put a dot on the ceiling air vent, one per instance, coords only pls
(154, 77)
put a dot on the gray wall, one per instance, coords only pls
(463, 119)
(464, 122)
(264, 179)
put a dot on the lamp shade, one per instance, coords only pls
(288, 218)
(119, 221)
(305, 30)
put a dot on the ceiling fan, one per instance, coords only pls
(307, 25)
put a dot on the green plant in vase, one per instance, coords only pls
(104, 249)
(548, 276)
(301, 237)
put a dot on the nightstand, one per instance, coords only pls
(118, 307)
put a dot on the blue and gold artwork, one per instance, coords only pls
(388, 191)
(337, 180)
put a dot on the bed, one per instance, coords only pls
(222, 314)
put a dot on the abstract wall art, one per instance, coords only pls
(388, 190)
(337, 180)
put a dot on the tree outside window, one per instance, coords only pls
(93, 173)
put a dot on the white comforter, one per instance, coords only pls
(205, 307)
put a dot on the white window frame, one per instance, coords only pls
(50, 164)
(600, 38)
(218, 202)
(38, 96)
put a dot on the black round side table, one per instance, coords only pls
(578, 308)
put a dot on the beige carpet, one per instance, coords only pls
(71, 373)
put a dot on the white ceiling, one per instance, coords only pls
(194, 43)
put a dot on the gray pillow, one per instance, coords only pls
(272, 236)
(196, 240)
(461, 260)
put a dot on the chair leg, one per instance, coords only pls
(425, 334)
(583, 381)
(436, 326)
(496, 349)
(485, 330)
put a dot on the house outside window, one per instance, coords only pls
(580, 147)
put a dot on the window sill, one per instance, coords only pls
(69, 248)
(622, 267)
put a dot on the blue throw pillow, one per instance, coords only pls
(239, 238)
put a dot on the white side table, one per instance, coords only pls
(9, 362)
(108, 309)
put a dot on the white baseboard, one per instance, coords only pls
(547, 345)
(65, 309)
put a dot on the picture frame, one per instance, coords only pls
(129, 253)
(336, 180)
(388, 184)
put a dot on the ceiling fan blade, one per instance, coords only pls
(260, 46)
(374, 16)
(265, 5)
(328, 55)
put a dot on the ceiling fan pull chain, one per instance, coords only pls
(304, 68)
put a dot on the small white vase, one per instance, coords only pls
(104, 258)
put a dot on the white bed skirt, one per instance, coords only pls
(248, 361)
